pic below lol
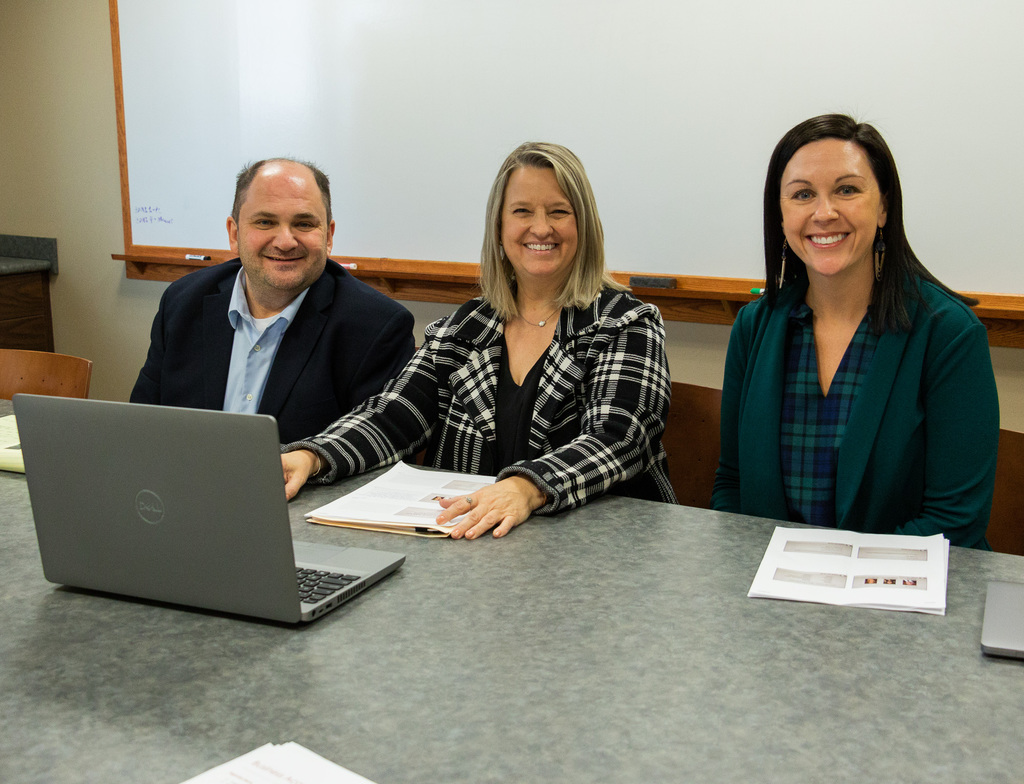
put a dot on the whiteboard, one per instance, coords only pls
(410, 106)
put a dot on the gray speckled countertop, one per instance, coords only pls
(610, 644)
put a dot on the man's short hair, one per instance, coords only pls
(248, 174)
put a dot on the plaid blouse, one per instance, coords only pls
(813, 424)
(597, 421)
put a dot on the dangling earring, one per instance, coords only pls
(879, 254)
(501, 250)
(782, 272)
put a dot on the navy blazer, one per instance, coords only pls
(345, 343)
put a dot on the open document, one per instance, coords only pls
(878, 571)
(285, 763)
(405, 500)
(11, 458)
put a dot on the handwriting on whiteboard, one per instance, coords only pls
(151, 215)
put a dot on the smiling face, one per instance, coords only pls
(538, 229)
(832, 209)
(282, 236)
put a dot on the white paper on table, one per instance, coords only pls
(11, 458)
(877, 571)
(286, 763)
(8, 432)
(402, 496)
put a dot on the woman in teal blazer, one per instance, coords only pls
(858, 390)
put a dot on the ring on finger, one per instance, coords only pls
(469, 500)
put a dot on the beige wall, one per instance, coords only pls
(59, 178)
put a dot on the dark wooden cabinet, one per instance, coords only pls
(25, 318)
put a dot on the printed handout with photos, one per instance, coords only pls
(877, 571)
(405, 500)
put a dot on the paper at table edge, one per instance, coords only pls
(294, 762)
(12, 460)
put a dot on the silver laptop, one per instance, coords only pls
(1002, 633)
(177, 505)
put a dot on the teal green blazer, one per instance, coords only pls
(919, 453)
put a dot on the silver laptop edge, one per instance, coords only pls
(1002, 633)
(177, 505)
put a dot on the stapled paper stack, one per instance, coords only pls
(405, 500)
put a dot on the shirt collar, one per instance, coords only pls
(801, 313)
(238, 306)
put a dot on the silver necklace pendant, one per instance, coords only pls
(539, 323)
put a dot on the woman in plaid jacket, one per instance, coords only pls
(555, 380)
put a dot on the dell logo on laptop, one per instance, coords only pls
(149, 506)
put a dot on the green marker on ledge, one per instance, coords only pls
(758, 291)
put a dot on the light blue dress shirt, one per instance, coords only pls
(255, 346)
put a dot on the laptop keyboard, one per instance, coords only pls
(315, 585)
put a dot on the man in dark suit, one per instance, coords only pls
(282, 329)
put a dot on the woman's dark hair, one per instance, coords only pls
(901, 269)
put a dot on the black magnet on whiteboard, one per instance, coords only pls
(651, 282)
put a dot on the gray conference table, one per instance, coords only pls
(610, 644)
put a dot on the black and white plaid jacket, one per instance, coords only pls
(600, 411)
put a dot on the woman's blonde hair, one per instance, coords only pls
(588, 275)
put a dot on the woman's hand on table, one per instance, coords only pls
(298, 466)
(501, 506)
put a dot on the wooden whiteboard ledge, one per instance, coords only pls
(694, 299)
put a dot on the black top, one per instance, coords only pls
(513, 412)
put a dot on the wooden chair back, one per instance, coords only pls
(43, 373)
(1006, 523)
(691, 440)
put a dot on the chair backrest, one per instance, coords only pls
(1006, 524)
(43, 373)
(691, 440)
